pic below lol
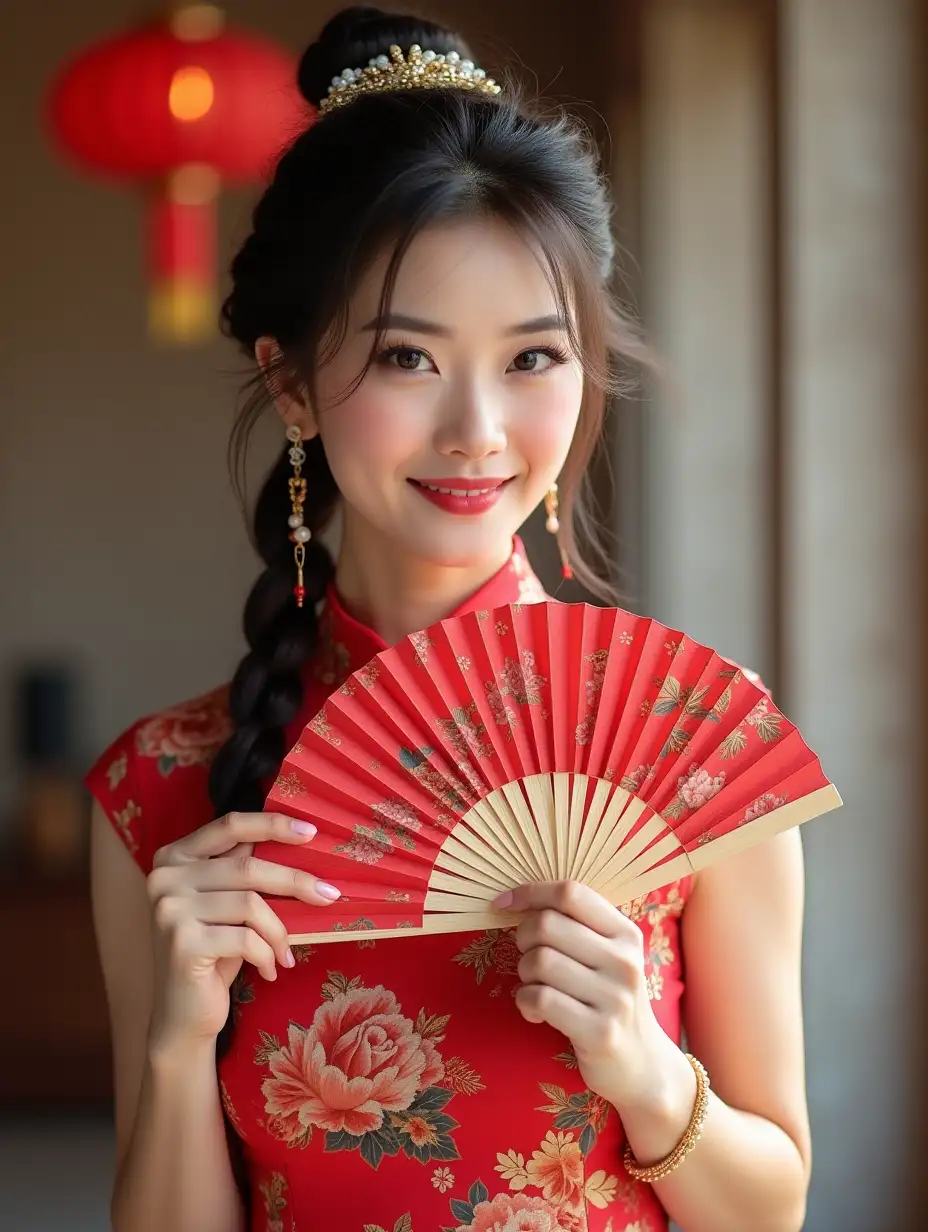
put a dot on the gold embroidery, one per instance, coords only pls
(124, 819)
(230, 1112)
(290, 785)
(461, 1077)
(494, 950)
(362, 923)
(275, 1203)
(443, 1179)
(421, 643)
(322, 727)
(369, 675)
(116, 771)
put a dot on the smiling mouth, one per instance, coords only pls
(462, 487)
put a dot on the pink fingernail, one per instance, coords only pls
(503, 901)
(289, 960)
(327, 891)
(303, 827)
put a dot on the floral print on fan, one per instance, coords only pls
(465, 731)
(764, 804)
(518, 682)
(364, 1074)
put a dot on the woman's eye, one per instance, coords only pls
(406, 358)
(538, 360)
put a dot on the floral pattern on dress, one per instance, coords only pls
(557, 1171)
(364, 1074)
(187, 735)
(464, 1101)
(494, 949)
(125, 821)
(116, 771)
(274, 1194)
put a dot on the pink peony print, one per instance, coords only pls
(515, 1213)
(360, 1059)
(187, 735)
(699, 787)
(764, 804)
(634, 781)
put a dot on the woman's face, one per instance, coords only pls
(474, 390)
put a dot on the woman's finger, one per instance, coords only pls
(570, 898)
(225, 833)
(246, 907)
(543, 965)
(247, 872)
(197, 943)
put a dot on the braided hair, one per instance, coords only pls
(365, 178)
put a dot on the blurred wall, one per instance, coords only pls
(785, 491)
(853, 494)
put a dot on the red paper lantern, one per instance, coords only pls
(180, 106)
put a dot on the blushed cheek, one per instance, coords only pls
(364, 438)
(547, 427)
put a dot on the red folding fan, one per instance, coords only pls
(532, 742)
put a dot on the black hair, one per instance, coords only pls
(361, 179)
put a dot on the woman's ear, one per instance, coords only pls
(293, 406)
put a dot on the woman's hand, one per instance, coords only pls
(582, 971)
(209, 917)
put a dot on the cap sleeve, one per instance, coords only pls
(152, 782)
(115, 783)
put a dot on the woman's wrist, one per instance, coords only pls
(656, 1119)
(169, 1054)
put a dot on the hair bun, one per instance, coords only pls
(356, 35)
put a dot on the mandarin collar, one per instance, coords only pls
(346, 643)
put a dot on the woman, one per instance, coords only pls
(424, 293)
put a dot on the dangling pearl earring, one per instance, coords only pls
(300, 535)
(553, 527)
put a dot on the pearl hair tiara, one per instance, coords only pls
(420, 70)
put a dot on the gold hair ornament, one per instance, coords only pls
(419, 70)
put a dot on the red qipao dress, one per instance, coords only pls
(393, 1085)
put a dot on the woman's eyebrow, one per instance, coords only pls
(400, 320)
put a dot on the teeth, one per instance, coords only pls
(459, 491)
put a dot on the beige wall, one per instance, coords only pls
(855, 492)
(787, 514)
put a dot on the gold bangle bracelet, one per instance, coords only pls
(664, 1167)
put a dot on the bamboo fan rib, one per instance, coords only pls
(533, 742)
